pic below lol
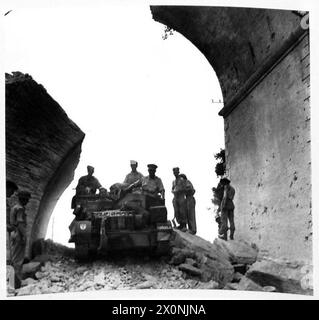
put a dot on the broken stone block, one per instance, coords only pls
(31, 289)
(269, 289)
(231, 286)
(28, 281)
(190, 269)
(282, 275)
(190, 261)
(29, 269)
(247, 284)
(239, 252)
(145, 285)
(99, 279)
(209, 285)
(40, 275)
(213, 262)
(178, 258)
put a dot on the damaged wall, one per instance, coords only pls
(268, 144)
(43, 148)
(261, 58)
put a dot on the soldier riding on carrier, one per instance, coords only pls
(133, 219)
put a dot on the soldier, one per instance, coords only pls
(153, 185)
(134, 175)
(218, 193)
(18, 223)
(227, 210)
(150, 185)
(179, 200)
(190, 204)
(88, 184)
(11, 188)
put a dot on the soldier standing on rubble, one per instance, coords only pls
(227, 210)
(88, 184)
(179, 200)
(11, 188)
(18, 223)
(134, 175)
(189, 192)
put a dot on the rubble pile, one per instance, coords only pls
(67, 275)
(194, 263)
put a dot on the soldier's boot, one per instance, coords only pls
(222, 236)
(183, 227)
(231, 235)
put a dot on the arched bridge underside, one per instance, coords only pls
(261, 58)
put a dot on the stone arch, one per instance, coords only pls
(261, 58)
(39, 158)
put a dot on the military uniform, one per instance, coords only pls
(227, 213)
(88, 182)
(152, 187)
(190, 205)
(18, 222)
(179, 201)
(133, 177)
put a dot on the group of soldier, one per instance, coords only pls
(16, 232)
(151, 185)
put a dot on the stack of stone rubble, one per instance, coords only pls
(237, 265)
(194, 263)
(56, 273)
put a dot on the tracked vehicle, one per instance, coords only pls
(135, 222)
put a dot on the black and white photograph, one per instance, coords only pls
(160, 149)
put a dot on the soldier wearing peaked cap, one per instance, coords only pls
(134, 175)
(151, 185)
(179, 200)
(88, 184)
(18, 224)
(190, 204)
(227, 210)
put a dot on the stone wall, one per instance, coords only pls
(42, 148)
(261, 58)
(268, 158)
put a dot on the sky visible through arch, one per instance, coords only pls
(135, 95)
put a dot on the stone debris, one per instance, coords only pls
(269, 289)
(285, 276)
(27, 282)
(200, 258)
(193, 264)
(245, 284)
(191, 270)
(239, 252)
(68, 276)
(29, 269)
